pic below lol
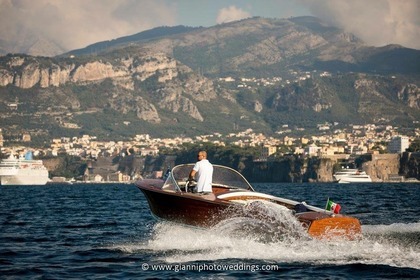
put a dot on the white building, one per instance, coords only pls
(312, 150)
(398, 144)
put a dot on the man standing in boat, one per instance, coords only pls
(204, 170)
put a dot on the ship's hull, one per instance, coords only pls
(26, 177)
(352, 176)
(355, 179)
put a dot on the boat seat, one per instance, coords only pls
(300, 208)
(209, 196)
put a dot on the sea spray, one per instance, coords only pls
(175, 243)
(262, 221)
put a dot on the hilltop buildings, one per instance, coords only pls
(398, 144)
(354, 140)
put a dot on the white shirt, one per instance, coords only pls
(204, 173)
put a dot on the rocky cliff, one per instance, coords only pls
(410, 165)
(380, 167)
(314, 169)
(126, 73)
(27, 72)
(292, 169)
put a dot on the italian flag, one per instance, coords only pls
(332, 206)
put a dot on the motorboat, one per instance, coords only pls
(350, 175)
(232, 196)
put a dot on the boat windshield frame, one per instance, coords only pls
(223, 176)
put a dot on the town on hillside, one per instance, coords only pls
(330, 143)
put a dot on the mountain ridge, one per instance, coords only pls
(178, 84)
(161, 31)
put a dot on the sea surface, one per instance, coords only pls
(106, 231)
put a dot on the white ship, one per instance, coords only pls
(23, 171)
(352, 176)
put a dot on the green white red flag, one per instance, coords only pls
(332, 206)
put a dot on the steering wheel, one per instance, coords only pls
(190, 185)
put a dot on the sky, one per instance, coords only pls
(77, 23)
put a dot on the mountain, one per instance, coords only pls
(155, 33)
(267, 47)
(28, 43)
(255, 73)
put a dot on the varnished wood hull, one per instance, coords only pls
(207, 211)
(323, 226)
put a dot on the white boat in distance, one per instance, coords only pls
(352, 176)
(23, 171)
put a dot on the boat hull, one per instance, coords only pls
(327, 227)
(355, 179)
(352, 176)
(26, 177)
(207, 211)
(23, 171)
(184, 208)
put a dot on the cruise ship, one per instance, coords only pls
(352, 176)
(23, 171)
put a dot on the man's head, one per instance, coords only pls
(202, 155)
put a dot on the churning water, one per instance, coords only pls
(106, 231)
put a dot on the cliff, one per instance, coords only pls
(51, 76)
(27, 72)
(293, 169)
(315, 169)
(410, 165)
(380, 167)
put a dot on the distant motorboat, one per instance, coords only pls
(350, 175)
(23, 171)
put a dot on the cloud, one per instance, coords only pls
(377, 22)
(231, 13)
(77, 23)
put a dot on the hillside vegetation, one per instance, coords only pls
(256, 73)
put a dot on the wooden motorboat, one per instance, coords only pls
(232, 196)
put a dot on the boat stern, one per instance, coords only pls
(336, 227)
(327, 226)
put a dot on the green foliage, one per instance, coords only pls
(362, 159)
(70, 167)
(104, 108)
(151, 84)
(92, 95)
(337, 167)
(231, 156)
(414, 146)
(210, 58)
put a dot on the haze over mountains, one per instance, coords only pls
(258, 73)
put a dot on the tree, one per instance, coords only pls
(414, 146)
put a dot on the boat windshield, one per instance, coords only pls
(222, 176)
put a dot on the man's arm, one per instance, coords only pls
(192, 175)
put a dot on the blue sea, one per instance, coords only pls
(106, 231)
